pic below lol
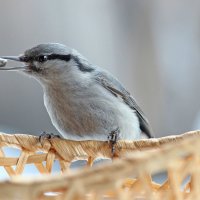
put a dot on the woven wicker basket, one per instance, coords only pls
(128, 177)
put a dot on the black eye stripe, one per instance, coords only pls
(43, 58)
(59, 56)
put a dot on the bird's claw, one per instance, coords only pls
(47, 136)
(113, 137)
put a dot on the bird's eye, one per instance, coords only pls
(42, 58)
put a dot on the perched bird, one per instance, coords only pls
(83, 101)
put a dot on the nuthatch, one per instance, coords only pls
(83, 101)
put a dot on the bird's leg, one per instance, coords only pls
(48, 136)
(113, 137)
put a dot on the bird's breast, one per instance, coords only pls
(90, 112)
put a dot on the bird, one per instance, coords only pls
(84, 101)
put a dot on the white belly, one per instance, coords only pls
(91, 116)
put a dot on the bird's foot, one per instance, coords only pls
(47, 136)
(113, 137)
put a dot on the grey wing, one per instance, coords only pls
(116, 88)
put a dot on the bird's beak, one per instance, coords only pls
(3, 62)
(15, 58)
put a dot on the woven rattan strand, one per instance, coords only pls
(127, 177)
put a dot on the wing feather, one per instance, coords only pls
(115, 87)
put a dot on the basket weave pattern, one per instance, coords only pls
(179, 156)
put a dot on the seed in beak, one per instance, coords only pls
(2, 62)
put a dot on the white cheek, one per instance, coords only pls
(54, 65)
(37, 64)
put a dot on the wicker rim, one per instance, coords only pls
(149, 156)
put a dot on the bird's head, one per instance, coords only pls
(48, 61)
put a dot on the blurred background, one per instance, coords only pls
(151, 46)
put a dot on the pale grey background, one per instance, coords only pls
(151, 46)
